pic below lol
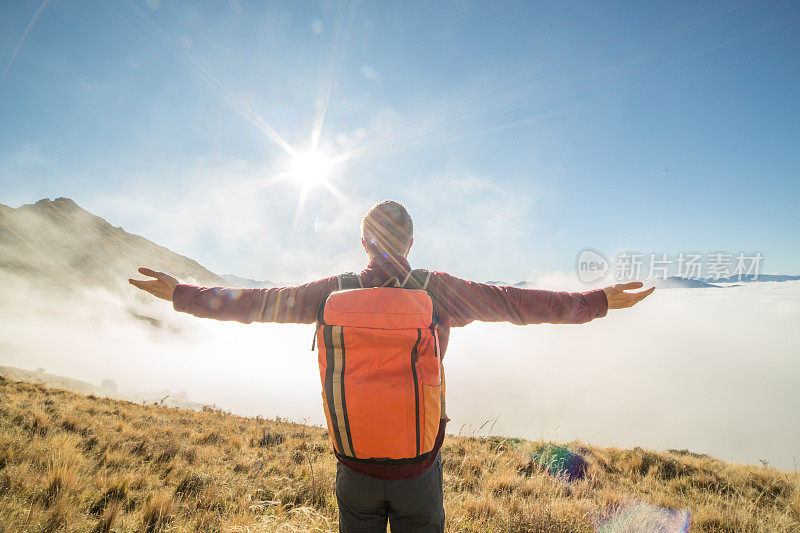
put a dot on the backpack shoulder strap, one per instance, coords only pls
(417, 279)
(350, 280)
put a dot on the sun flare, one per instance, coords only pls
(311, 168)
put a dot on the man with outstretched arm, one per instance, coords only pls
(407, 493)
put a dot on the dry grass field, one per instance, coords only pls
(70, 462)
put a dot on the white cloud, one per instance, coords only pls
(458, 214)
(216, 214)
(709, 370)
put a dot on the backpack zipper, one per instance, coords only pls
(414, 357)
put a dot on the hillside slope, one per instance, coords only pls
(108, 388)
(59, 243)
(78, 463)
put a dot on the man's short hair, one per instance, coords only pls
(387, 229)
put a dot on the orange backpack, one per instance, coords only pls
(381, 370)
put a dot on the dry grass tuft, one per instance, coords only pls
(76, 463)
(107, 519)
(157, 513)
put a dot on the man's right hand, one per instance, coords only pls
(162, 287)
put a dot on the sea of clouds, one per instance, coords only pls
(709, 370)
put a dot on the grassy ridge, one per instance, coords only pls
(70, 462)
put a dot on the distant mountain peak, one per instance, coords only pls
(247, 283)
(57, 242)
(66, 202)
(60, 202)
(677, 282)
(60, 207)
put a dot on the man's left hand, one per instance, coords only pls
(619, 299)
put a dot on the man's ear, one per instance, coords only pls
(409, 246)
(364, 244)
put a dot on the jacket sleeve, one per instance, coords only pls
(279, 304)
(466, 301)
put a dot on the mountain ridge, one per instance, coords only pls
(58, 243)
(49, 240)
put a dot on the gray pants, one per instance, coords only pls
(410, 505)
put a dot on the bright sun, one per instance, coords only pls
(311, 168)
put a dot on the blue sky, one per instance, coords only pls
(517, 134)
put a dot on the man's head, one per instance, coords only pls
(387, 230)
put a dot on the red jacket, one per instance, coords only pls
(458, 302)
